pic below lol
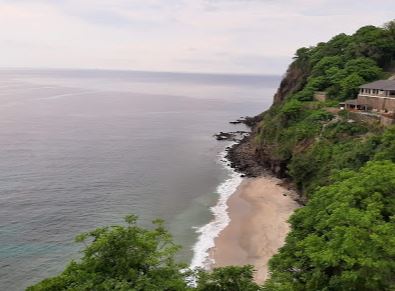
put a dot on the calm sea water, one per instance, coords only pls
(81, 149)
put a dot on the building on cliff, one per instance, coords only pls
(378, 96)
(376, 101)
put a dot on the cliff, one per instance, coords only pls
(344, 170)
(294, 80)
(288, 138)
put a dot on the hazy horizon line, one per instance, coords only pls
(144, 71)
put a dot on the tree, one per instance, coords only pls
(325, 63)
(122, 258)
(372, 42)
(230, 278)
(349, 85)
(344, 238)
(131, 258)
(364, 67)
(292, 110)
(390, 28)
(387, 146)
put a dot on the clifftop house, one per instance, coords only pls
(378, 96)
(375, 100)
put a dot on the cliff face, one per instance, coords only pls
(287, 138)
(293, 81)
(253, 159)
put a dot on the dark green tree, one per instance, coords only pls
(132, 258)
(349, 86)
(228, 279)
(364, 67)
(344, 238)
(390, 28)
(122, 258)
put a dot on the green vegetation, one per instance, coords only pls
(343, 239)
(345, 62)
(133, 258)
(227, 279)
(122, 258)
(302, 133)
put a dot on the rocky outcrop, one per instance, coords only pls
(249, 121)
(293, 81)
(231, 136)
(242, 157)
(253, 161)
(246, 156)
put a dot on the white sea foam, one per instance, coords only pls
(210, 231)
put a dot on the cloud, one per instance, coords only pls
(238, 36)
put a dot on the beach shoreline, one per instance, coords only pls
(258, 212)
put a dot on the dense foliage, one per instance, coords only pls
(305, 135)
(230, 278)
(134, 258)
(345, 62)
(122, 258)
(343, 239)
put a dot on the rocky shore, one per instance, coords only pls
(242, 157)
(243, 154)
(251, 162)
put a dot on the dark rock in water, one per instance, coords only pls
(231, 136)
(249, 121)
(224, 136)
(238, 121)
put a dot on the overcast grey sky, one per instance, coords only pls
(234, 36)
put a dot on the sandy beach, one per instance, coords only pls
(259, 211)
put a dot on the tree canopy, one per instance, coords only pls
(132, 258)
(122, 258)
(344, 239)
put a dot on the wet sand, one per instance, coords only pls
(259, 211)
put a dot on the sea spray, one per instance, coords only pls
(208, 233)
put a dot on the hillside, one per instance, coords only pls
(343, 239)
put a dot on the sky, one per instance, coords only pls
(227, 36)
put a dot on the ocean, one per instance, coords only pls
(83, 148)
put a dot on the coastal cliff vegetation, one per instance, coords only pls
(344, 236)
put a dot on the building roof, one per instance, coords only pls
(380, 84)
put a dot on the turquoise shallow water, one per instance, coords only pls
(80, 149)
